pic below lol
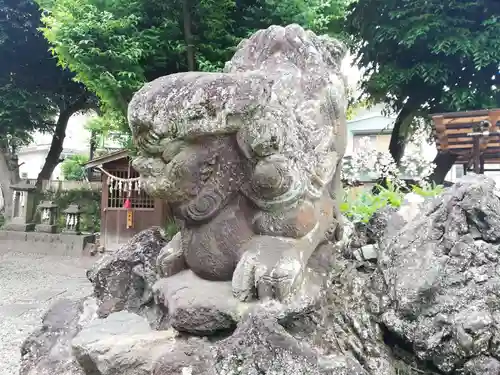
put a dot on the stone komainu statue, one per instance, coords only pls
(249, 159)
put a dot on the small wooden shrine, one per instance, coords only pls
(473, 137)
(126, 209)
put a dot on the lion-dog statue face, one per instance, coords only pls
(249, 159)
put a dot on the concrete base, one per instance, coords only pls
(20, 227)
(45, 228)
(44, 243)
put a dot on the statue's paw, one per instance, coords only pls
(244, 278)
(256, 277)
(279, 281)
(171, 258)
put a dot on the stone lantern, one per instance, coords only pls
(48, 215)
(73, 213)
(23, 207)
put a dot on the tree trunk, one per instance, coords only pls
(444, 161)
(188, 36)
(56, 146)
(9, 175)
(398, 139)
(93, 147)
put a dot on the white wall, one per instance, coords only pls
(367, 121)
(77, 139)
(372, 121)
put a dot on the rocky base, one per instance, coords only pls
(427, 302)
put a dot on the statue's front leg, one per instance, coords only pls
(271, 268)
(171, 259)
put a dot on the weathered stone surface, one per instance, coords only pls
(248, 157)
(341, 365)
(124, 279)
(198, 306)
(283, 355)
(47, 351)
(372, 232)
(440, 278)
(123, 343)
(482, 366)
(192, 356)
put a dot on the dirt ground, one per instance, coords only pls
(29, 284)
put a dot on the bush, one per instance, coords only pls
(89, 201)
(72, 168)
(359, 206)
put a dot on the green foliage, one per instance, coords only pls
(89, 201)
(425, 56)
(114, 47)
(73, 169)
(33, 89)
(171, 229)
(109, 127)
(359, 206)
(430, 191)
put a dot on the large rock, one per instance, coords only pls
(123, 343)
(440, 280)
(124, 279)
(187, 357)
(198, 306)
(283, 355)
(47, 351)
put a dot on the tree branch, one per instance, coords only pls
(56, 146)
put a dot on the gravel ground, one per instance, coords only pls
(29, 284)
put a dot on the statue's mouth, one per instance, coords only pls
(149, 142)
(170, 168)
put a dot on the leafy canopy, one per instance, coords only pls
(115, 46)
(33, 88)
(428, 55)
(72, 167)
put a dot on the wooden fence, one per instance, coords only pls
(63, 185)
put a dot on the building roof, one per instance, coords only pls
(113, 156)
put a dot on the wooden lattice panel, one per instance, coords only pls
(119, 191)
(452, 131)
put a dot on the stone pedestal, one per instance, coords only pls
(44, 243)
(23, 208)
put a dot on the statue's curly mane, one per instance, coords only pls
(301, 47)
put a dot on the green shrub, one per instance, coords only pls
(171, 228)
(359, 206)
